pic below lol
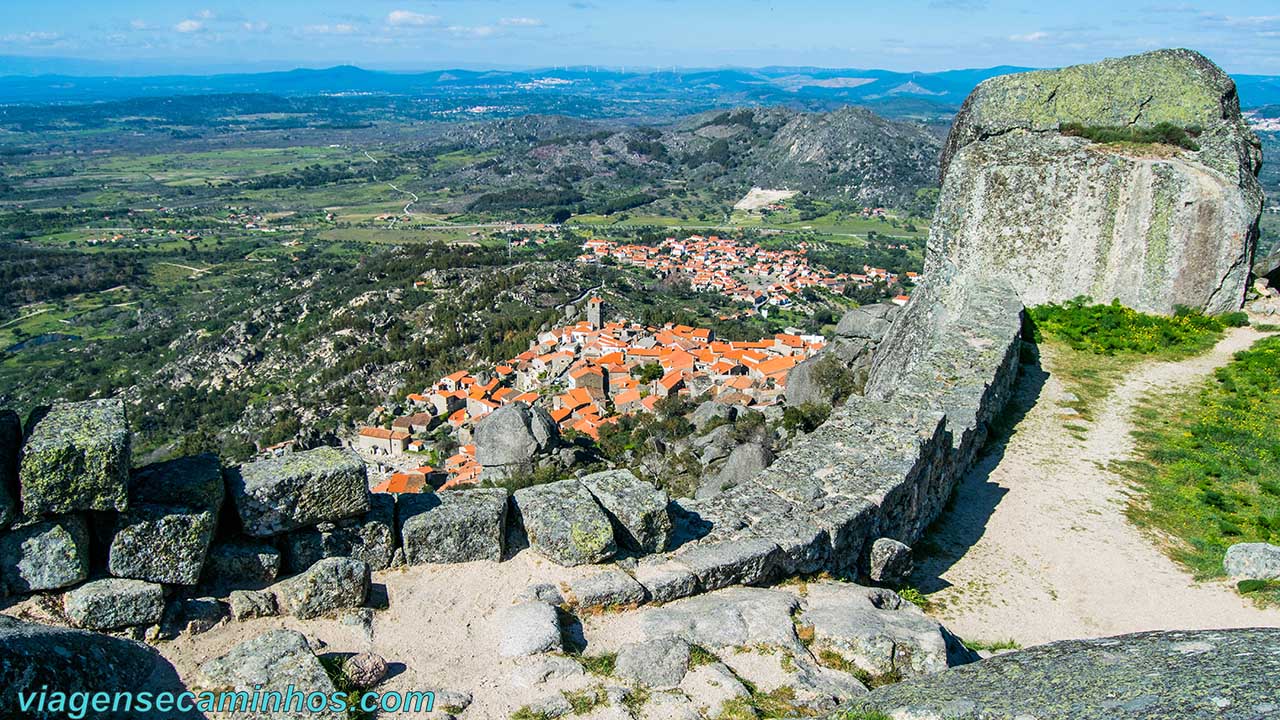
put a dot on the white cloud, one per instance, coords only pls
(477, 31)
(254, 27)
(205, 15)
(521, 22)
(1036, 36)
(408, 18)
(139, 25)
(31, 38)
(189, 26)
(338, 29)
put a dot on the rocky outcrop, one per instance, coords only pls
(173, 512)
(1152, 676)
(76, 458)
(35, 657)
(1154, 226)
(511, 438)
(891, 562)
(298, 490)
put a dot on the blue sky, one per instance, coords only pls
(1242, 36)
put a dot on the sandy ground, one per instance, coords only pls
(1037, 547)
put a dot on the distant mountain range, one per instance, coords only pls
(662, 92)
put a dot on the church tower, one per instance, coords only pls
(595, 313)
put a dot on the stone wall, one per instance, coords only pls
(883, 465)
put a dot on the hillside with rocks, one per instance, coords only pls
(598, 595)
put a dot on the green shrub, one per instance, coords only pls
(1162, 133)
(1116, 329)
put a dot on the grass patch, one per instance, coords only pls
(977, 645)
(1161, 134)
(1209, 465)
(699, 655)
(602, 665)
(1092, 347)
(584, 701)
(915, 597)
(528, 713)
(777, 703)
(861, 715)
(829, 658)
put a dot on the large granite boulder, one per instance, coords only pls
(173, 511)
(455, 526)
(745, 462)
(277, 662)
(642, 521)
(10, 444)
(114, 603)
(329, 585)
(508, 440)
(869, 322)
(37, 657)
(44, 555)
(565, 524)
(1060, 216)
(370, 537)
(1179, 675)
(297, 490)
(1252, 561)
(76, 457)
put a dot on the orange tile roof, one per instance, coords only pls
(384, 434)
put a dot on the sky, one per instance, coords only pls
(1243, 36)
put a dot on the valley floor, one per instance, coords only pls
(1037, 546)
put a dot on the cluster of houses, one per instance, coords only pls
(744, 272)
(588, 375)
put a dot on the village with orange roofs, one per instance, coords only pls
(744, 272)
(591, 373)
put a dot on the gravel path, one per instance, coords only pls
(1037, 546)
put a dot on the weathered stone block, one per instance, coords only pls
(454, 526)
(76, 458)
(610, 588)
(173, 512)
(565, 524)
(730, 562)
(370, 537)
(246, 604)
(665, 580)
(274, 662)
(114, 603)
(329, 585)
(528, 628)
(638, 509)
(241, 565)
(1252, 561)
(44, 555)
(297, 490)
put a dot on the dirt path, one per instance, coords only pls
(1037, 547)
